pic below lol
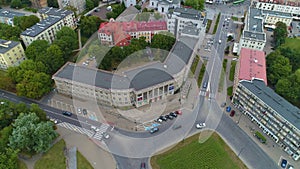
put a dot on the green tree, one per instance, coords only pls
(24, 22)
(67, 41)
(34, 108)
(292, 55)
(53, 3)
(280, 33)
(16, 4)
(89, 25)
(196, 4)
(53, 59)
(162, 41)
(9, 33)
(9, 159)
(89, 4)
(36, 49)
(4, 135)
(279, 69)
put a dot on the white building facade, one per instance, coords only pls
(163, 6)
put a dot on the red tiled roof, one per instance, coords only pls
(252, 65)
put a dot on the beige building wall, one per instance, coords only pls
(12, 57)
(272, 20)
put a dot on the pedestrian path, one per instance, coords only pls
(99, 134)
(77, 129)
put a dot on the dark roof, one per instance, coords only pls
(288, 111)
(9, 14)
(6, 45)
(149, 77)
(55, 12)
(254, 35)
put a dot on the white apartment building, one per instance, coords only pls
(163, 6)
(253, 36)
(182, 17)
(7, 16)
(271, 18)
(275, 116)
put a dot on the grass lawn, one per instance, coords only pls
(229, 90)
(208, 25)
(82, 162)
(234, 18)
(232, 70)
(293, 43)
(222, 80)
(195, 63)
(217, 23)
(21, 165)
(201, 74)
(54, 158)
(190, 154)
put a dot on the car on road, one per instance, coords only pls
(200, 125)
(153, 130)
(204, 85)
(105, 135)
(163, 118)
(67, 113)
(84, 111)
(283, 163)
(232, 113)
(143, 165)
(228, 109)
(220, 41)
(173, 114)
(178, 112)
(169, 117)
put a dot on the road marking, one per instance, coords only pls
(77, 129)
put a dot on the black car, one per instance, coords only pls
(154, 130)
(163, 118)
(84, 111)
(66, 113)
(169, 117)
(143, 165)
(173, 114)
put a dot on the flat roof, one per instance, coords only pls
(6, 45)
(254, 35)
(55, 11)
(41, 26)
(9, 14)
(288, 111)
(188, 13)
(252, 65)
(191, 30)
(255, 20)
(128, 15)
(277, 13)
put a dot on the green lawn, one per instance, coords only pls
(224, 64)
(232, 70)
(217, 23)
(229, 90)
(190, 154)
(54, 158)
(222, 81)
(195, 63)
(201, 74)
(21, 165)
(234, 18)
(208, 26)
(293, 43)
(82, 162)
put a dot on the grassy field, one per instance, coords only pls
(232, 70)
(293, 43)
(201, 74)
(21, 165)
(229, 90)
(190, 154)
(208, 26)
(54, 158)
(195, 63)
(82, 162)
(217, 23)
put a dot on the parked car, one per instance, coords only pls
(143, 165)
(228, 109)
(79, 110)
(173, 114)
(178, 112)
(169, 117)
(159, 120)
(105, 135)
(223, 104)
(154, 130)
(84, 111)
(205, 85)
(232, 113)
(283, 163)
(200, 125)
(163, 118)
(66, 113)
(290, 167)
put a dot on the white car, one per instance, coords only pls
(200, 125)
(220, 41)
(106, 136)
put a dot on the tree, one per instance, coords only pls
(89, 25)
(4, 135)
(53, 3)
(31, 135)
(34, 108)
(9, 159)
(292, 55)
(9, 33)
(196, 4)
(280, 68)
(36, 48)
(24, 22)
(16, 4)
(67, 41)
(280, 33)
(162, 41)
(89, 4)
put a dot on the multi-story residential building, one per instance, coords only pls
(253, 36)
(271, 18)
(163, 6)
(129, 3)
(11, 53)
(78, 4)
(7, 16)
(54, 20)
(251, 64)
(120, 33)
(283, 6)
(67, 16)
(134, 87)
(276, 117)
(182, 17)
(39, 3)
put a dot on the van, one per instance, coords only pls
(66, 113)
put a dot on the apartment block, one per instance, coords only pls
(182, 17)
(120, 33)
(253, 36)
(7, 16)
(275, 116)
(53, 21)
(11, 53)
(163, 6)
(271, 18)
(78, 4)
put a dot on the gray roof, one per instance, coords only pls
(188, 13)
(9, 14)
(128, 15)
(254, 35)
(41, 26)
(191, 30)
(275, 13)
(290, 112)
(168, 1)
(255, 20)
(55, 11)
(6, 45)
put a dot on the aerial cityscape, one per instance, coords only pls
(150, 84)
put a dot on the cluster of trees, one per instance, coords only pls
(19, 3)
(33, 76)
(280, 33)
(89, 25)
(22, 129)
(91, 4)
(117, 54)
(283, 70)
(24, 22)
(8, 32)
(196, 4)
(117, 10)
(53, 3)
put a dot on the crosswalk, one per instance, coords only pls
(202, 93)
(77, 129)
(99, 134)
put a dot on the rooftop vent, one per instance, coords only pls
(255, 60)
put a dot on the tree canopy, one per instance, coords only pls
(280, 33)
(89, 25)
(8, 32)
(53, 3)
(196, 4)
(66, 40)
(24, 22)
